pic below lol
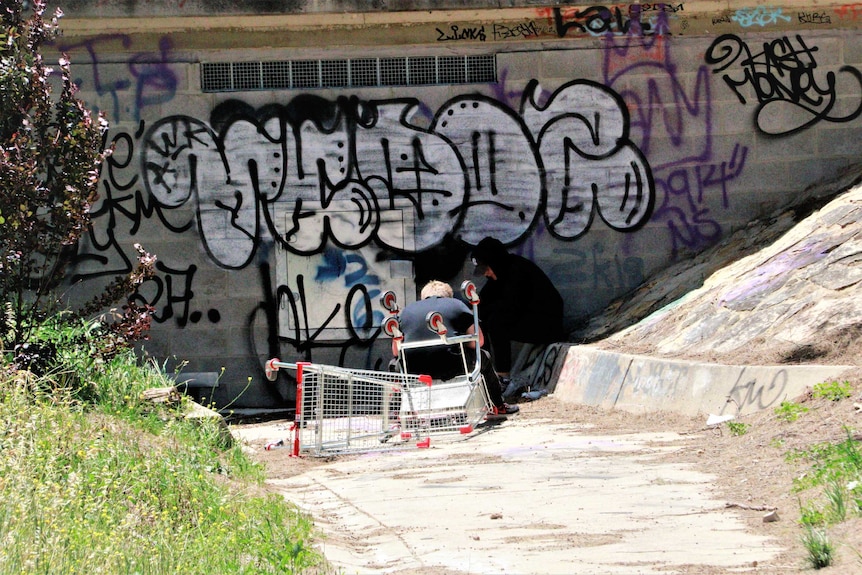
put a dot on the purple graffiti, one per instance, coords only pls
(154, 80)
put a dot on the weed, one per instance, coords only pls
(820, 549)
(837, 498)
(811, 516)
(828, 462)
(832, 390)
(738, 428)
(789, 411)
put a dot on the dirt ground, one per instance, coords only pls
(752, 472)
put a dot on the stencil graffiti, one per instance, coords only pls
(790, 95)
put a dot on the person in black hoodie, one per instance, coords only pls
(517, 303)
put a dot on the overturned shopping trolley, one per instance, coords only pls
(341, 410)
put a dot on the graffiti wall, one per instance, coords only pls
(604, 152)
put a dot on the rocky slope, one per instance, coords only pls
(786, 289)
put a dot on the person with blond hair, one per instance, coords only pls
(445, 362)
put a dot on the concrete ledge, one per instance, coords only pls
(592, 376)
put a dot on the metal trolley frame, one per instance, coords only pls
(341, 410)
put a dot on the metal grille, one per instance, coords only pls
(356, 73)
(216, 77)
(393, 71)
(479, 68)
(363, 72)
(422, 71)
(276, 75)
(246, 75)
(334, 73)
(452, 70)
(305, 74)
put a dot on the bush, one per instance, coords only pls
(51, 151)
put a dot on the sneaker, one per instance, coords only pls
(505, 409)
(511, 409)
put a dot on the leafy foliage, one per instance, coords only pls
(832, 390)
(51, 151)
(789, 411)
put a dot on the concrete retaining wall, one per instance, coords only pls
(610, 142)
(590, 376)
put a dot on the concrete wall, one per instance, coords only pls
(616, 139)
(139, 8)
(639, 384)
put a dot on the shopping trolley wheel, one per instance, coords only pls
(468, 288)
(271, 370)
(391, 326)
(434, 320)
(389, 302)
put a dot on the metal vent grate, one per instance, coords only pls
(350, 73)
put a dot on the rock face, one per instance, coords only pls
(783, 290)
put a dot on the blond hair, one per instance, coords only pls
(436, 288)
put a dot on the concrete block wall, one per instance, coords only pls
(616, 140)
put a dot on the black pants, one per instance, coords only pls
(501, 335)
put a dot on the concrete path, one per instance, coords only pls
(525, 497)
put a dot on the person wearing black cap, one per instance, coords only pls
(517, 303)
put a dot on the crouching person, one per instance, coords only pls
(445, 362)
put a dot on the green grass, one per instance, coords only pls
(821, 551)
(789, 411)
(118, 486)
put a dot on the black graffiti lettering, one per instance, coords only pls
(458, 170)
(171, 299)
(756, 395)
(813, 18)
(458, 33)
(782, 72)
(600, 20)
(522, 30)
(123, 146)
(660, 7)
(356, 311)
(540, 365)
